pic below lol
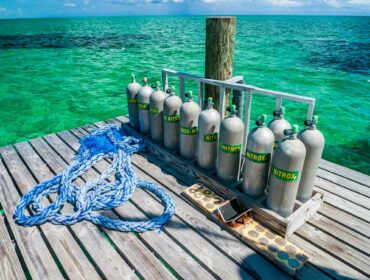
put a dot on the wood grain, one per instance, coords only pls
(69, 253)
(112, 265)
(35, 252)
(220, 39)
(10, 267)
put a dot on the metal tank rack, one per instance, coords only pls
(303, 211)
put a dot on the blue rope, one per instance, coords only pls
(97, 194)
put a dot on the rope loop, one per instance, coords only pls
(108, 142)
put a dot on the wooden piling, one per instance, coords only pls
(220, 39)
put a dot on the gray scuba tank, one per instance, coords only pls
(189, 114)
(132, 91)
(229, 149)
(314, 142)
(257, 159)
(278, 125)
(209, 128)
(286, 171)
(143, 105)
(156, 112)
(171, 120)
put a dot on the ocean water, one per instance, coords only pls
(56, 74)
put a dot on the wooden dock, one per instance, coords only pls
(191, 246)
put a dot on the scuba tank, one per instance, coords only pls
(171, 119)
(257, 159)
(132, 90)
(278, 125)
(209, 127)
(231, 139)
(156, 112)
(286, 169)
(189, 113)
(143, 105)
(314, 142)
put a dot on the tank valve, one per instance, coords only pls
(170, 90)
(156, 86)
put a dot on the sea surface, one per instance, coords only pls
(57, 74)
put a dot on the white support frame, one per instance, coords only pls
(234, 84)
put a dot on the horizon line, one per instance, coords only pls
(185, 15)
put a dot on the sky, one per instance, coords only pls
(72, 8)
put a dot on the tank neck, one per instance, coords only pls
(293, 136)
(311, 127)
(279, 117)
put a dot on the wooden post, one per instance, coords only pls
(220, 38)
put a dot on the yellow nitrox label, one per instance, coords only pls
(230, 149)
(172, 118)
(257, 157)
(143, 106)
(132, 101)
(285, 175)
(210, 137)
(154, 111)
(189, 130)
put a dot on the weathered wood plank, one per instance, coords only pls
(342, 233)
(345, 193)
(345, 172)
(160, 243)
(10, 266)
(345, 205)
(345, 183)
(345, 219)
(35, 252)
(112, 265)
(340, 250)
(144, 262)
(326, 262)
(71, 256)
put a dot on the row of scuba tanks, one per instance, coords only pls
(278, 160)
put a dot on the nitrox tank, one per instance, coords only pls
(132, 91)
(257, 159)
(286, 171)
(314, 142)
(189, 114)
(143, 105)
(278, 125)
(171, 119)
(209, 128)
(231, 139)
(156, 112)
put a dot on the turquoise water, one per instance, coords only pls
(57, 74)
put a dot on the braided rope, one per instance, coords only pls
(97, 194)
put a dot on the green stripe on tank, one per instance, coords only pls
(189, 130)
(143, 106)
(230, 149)
(257, 157)
(172, 118)
(154, 111)
(285, 175)
(210, 137)
(132, 101)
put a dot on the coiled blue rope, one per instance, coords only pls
(98, 194)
